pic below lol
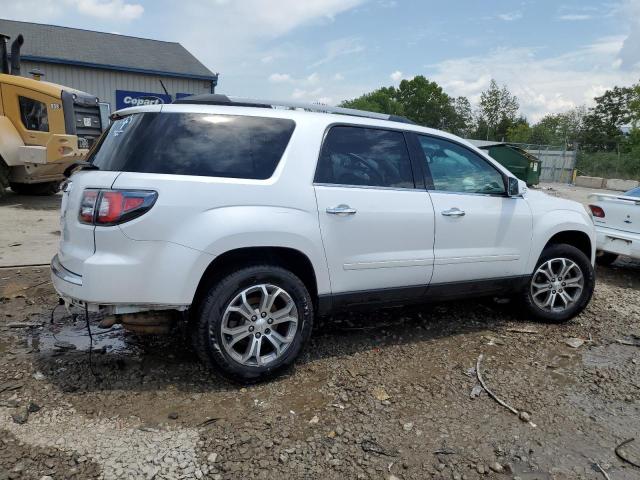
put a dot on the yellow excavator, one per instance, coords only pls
(44, 127)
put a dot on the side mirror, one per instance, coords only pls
(515, 187)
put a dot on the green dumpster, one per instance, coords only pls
(518, 161)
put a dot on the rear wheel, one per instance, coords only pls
(37, 189)
(561, 285)
(605, 258)
(253, 323)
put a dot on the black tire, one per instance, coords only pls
(4, 178)
(36, 189)
(581, 260)
(605, 258)
(207, 325)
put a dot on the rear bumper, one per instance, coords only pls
(618, 242)
(144, 276)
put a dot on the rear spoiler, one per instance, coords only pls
(608, 196)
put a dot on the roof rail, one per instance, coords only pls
(218, 99)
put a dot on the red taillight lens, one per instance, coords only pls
(88, 205)
(112, 207)
(596, 211)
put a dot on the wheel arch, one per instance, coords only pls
(293, 260)
(562, 226)
(575, 238)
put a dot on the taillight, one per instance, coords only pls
(88, 205)
(112, 207)
(596, 211)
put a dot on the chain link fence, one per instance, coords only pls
(614, 162)
(558, 163)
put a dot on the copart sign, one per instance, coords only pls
(127, 98)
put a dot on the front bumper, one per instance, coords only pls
(617, 241)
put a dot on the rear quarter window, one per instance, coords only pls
(194, 144)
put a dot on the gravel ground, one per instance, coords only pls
(386, 395)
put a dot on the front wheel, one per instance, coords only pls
(561, 285)
(253, 323)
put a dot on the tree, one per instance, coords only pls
(426, 103)
(382, 100)
(520, 132)
(463, 121)
(613, 110)
(420, 100)
(498, 111)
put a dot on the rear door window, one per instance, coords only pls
(361, 156)
(194, 144)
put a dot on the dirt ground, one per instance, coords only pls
(386, 395)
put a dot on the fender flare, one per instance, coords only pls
(555, 222)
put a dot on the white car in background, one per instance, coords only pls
(617, 221)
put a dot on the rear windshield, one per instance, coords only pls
(194, 144)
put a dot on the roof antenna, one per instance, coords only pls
(164, 88)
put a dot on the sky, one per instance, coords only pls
(553, 55)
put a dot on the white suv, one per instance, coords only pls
(253, 217)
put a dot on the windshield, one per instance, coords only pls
(634, 192)
(194, 144)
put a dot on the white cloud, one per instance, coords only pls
(308, 95)
(112, 10)
(630, 52)
(279, 77)
(52, 10)
(396, 76)
(542, 85)
(313, 78)
(573, 17)
(510, 16)
(338, 48)
(338, 77)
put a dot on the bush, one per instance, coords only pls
(609, 164)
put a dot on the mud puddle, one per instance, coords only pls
(75, 337)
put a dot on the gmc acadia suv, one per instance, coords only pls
(253, 217)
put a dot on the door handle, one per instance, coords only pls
(453, 212)
(341, 210)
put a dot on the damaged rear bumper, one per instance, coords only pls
(69, 287)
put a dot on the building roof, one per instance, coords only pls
(74, 46)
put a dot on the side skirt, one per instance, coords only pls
(401, 296)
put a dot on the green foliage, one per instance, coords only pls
(519, 133)
(425, 103)
(382, 100)
(625, 165)
(614, 109)
(420, 100)
(596, 132)
(498, 111)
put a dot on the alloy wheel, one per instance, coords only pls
(557, 284)
(259, 325)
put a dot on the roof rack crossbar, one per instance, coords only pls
(218, 99)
